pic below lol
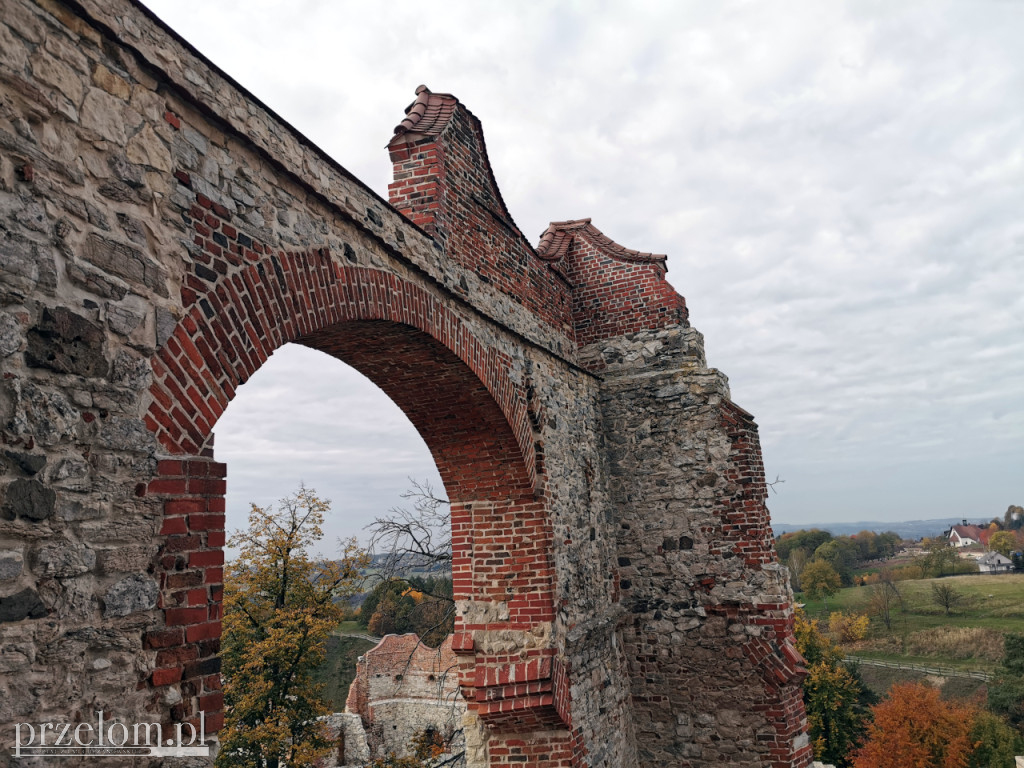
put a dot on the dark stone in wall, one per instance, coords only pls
(124, 261)
(21, 605)
(29, 499)
(28, 463)
(66, 343)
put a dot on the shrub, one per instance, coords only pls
(848, 627)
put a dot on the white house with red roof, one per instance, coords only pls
(966, 534)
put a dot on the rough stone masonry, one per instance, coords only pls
(162, 233)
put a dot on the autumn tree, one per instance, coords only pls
(1003, 542)
(387, 608)
(848, 627)
(813, 644)
(820, 581)
(914, 728)
(831, 697)
(807, 540)
(280, 605)
(843, 555)
(834, 697)
(946, 596)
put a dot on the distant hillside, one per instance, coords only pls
(908, 529)
(408, 565)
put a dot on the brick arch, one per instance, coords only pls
(232, 324)
(458, 393)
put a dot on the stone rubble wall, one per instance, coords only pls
(707, 625)
(351, 748)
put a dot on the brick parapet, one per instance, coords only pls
(616, 290)
(577, 280)
(444, 182)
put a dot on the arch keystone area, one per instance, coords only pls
(162, 233)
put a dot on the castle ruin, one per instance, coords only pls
(162, 233)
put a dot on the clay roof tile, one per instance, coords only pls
(428, 114)
(557, 238)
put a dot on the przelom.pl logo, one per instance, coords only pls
(110, 738)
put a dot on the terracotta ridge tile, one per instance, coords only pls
(558, 237)
(428, 114)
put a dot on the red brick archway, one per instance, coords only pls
(458, 392)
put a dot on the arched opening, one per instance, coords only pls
(460, 394)
(306, 419)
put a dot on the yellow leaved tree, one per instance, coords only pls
(280, 605)
(834, 697)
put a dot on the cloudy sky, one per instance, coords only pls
(839, 187)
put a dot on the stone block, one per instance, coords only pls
(124, 261)
(11, 563)
(25, 265)
(63, 559)
(28, 500)
(22, 605)
(131, 594)
(10, 334)
(66, 342)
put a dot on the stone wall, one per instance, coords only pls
(350, 747)
(708, 628)
(162, 233)
(402, 688)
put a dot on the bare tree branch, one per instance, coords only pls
(417, 538)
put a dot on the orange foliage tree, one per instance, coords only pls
(914, 728)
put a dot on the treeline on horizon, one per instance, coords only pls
(853, 557)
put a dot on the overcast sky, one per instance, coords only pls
(839, 187)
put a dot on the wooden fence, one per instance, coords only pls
(976, 674)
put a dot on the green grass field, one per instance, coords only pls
(339, 668)
(969, 638)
